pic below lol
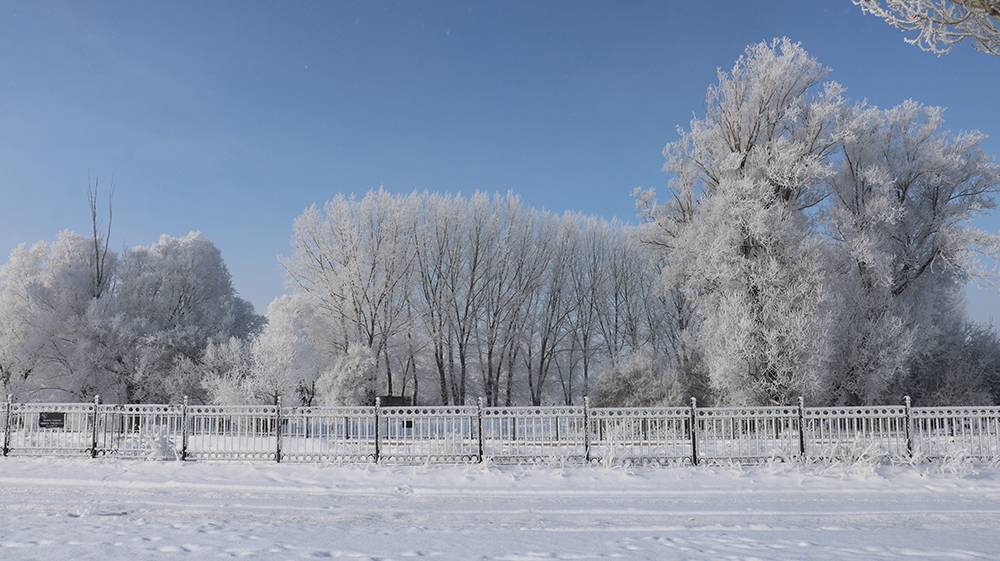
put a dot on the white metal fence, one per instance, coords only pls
(465, 434)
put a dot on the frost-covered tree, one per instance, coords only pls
(283, 361)
(286, 356)
(817, 247)
(473, 295)
(641, 379)
(349, 379)
(352, 260)
(70, 332)
(223, 371)
(170, 299)
(51, 345)
(939, 25)
(904, 197)
(750, 169)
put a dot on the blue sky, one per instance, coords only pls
(230, 118)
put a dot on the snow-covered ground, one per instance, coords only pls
(131, 510)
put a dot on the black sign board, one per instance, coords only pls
(395, 401)
(51, 420)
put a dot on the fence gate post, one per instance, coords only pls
(378, 407)
(586, 429)
(277, 429)
(909, 426)
(479, 428)
(802, 428)
(8, 424)
(93, 434)
(184, 429)
(694, 431)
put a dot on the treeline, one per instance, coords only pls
(451, 298)
(808, 245)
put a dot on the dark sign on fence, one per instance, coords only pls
(398, 401)
(395, 400)
(51, 420)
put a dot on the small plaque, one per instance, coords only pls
(51, 420)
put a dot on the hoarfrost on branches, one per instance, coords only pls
(941, 24)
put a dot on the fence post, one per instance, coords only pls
(586, 429)
(277, 429)
(802, 428)
(909, 427)
(694, 431)
(8, 424)
(479, 428)
(184, 429)
(378, 407)
(93, 434)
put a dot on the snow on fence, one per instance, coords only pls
(466, 434)
(240, 432)
(431, 434)
(847, 432)
(946, 431)
(643, 435)
(138, 430)
(533, 434)
(747, 434)
(65, 429)
(328, 434)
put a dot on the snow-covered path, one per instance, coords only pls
(110, 510)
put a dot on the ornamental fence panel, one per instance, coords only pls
(328, 434)
(237, 432)
(526, 435)
(940, 432)
(51, 429)
(640, 435)
(140, 430)
(846, 433)
(747, 434)
(431, 434)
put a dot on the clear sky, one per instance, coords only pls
(230, 118)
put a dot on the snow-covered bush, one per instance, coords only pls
(350, 379)
(639, 380)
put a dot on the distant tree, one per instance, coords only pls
(101, 241)
(352, 260)
(348, 380)
(639, 380)
(941, 24)
(476, 295)
(284, 361)
(223, 370)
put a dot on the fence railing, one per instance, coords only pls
(467, 434)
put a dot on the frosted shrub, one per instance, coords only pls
(159, 446)
(859, 457)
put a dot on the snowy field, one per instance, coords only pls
(132, 510)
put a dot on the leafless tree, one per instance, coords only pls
(101, 241)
